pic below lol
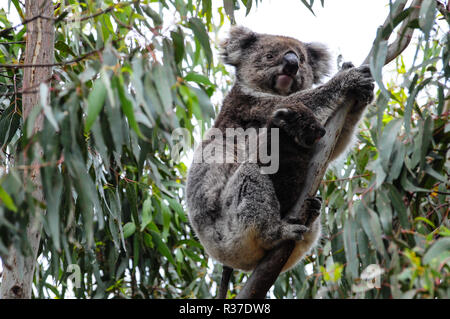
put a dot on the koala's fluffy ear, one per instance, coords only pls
(239, 39)
(320, 59)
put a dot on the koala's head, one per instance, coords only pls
(274, 64)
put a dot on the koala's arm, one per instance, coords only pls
(350, 85)
(252, 109)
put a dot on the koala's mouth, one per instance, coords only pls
(283, 83)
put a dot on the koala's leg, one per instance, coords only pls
(310, 239)
(253, 211)
(310, 218)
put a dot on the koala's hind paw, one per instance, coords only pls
(309, 215)
(293, 231)
(302, 126)
(312, 211)
(314, 202)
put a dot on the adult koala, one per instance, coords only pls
(237, 212)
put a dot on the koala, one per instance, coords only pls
(237, 212)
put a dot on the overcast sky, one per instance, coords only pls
(347, 27)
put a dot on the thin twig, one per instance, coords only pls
(29, 90)
(24, 22)
(37, 165)
(15, 66)
(405, 34)
(126, 26)
(91, 16)
(21, 92)
(344, 179)
(13, 42)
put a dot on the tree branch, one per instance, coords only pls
(404, 34)
(13, 42)
(24, 22)
(226, 275)
(46, 65)
(267, 271)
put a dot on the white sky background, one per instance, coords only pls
(347, 27)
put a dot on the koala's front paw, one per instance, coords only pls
(302, 126)
(358, 82)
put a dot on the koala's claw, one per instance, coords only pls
(347, 65)
(365, 92)
(312, 210)
(365, 68)
(309, 215)
(359, 83)
(314, 202)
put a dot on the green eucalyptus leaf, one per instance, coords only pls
(439, 251)
(162, 247)
(127, 106)
(96, 100)
(351, 248)
(129, 229)
(202, 36)
(7, 200)
(198, 78)
(426, 16)
(229, 10)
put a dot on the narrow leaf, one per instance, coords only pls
(7, 200)
(96, 100)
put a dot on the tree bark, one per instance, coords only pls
(268, 270)
(18, 270)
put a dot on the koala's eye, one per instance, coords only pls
(269, 56)
(301, 58)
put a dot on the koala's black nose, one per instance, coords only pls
(290, 63)
(321, 132)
